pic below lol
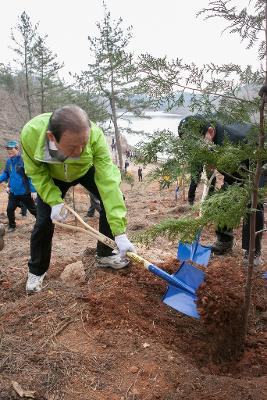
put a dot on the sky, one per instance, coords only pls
(160, 28)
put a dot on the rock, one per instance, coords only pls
(134, 369)
(2, 244)
(73, 274)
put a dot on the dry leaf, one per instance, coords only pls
(21, 392)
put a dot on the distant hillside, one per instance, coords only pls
(13, 113)
(163, 105)
(12, 118)
(181, 109)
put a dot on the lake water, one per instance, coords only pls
(158, 121)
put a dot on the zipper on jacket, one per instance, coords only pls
(65, 170)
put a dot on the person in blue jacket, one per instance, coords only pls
(20, 186)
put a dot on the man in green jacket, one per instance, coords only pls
(60, 150)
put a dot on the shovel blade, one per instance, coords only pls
(194, 251)
(202, 255)
(184, 251)
(180, 299)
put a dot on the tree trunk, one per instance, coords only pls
(27, 85)
(254, 202)
(117, 133)
(42, 86)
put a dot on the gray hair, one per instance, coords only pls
(71, 117)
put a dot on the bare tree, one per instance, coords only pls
(113, 74)
(24, 38)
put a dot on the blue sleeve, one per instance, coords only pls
(32, 188)
(5, 174)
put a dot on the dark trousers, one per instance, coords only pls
(23, 210)
(42, 234)
(226, 235)
(194, 183)
(259, 227)
(140, 178)
(193, 187)
(15, 201)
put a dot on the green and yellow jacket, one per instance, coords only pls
(42, 168)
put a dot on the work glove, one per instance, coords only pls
(58, 212)
(124, 245)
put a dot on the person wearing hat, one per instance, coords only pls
(60, 150)
(216, 133)
(19, 185)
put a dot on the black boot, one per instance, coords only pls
(221, 248)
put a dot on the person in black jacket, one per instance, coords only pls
(236, 133)
(140, 174)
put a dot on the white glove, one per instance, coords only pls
(58, 212)
(124, 245)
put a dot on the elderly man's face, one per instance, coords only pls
(71, 144)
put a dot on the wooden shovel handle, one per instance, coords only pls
(99, 236)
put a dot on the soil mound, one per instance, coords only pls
(221, 305)
(111, 337)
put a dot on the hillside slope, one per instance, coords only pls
(13, 116)
(107, 335)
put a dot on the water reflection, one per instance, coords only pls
(157, 120)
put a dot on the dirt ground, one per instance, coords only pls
(111, 337)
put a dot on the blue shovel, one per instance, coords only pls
(181, 292)
(195, 251)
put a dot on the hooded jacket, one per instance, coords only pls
(42, 168)
(235, 132)
(14, 174)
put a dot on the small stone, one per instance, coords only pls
(73, 274)
(134, 369)
(145, 345)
